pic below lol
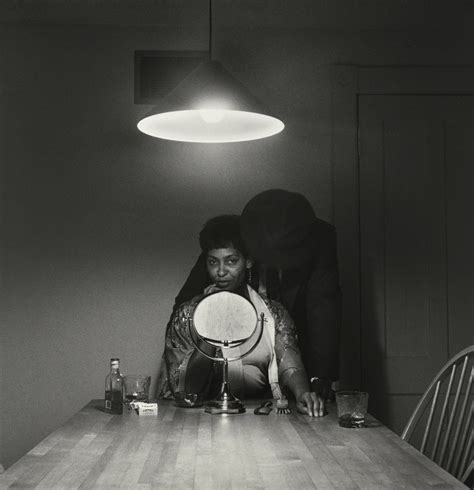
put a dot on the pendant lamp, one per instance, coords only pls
(210, 106)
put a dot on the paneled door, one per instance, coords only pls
(416, 160)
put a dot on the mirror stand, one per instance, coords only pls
(225, 315)
(225, 402)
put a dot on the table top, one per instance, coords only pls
(187, 448)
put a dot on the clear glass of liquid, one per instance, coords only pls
(136, 387)
(352, 408)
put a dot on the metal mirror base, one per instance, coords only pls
(216, 408)
(226, 402)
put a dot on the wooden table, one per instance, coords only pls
(187, 448)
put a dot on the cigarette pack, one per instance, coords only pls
(147, 408)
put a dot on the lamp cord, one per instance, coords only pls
(210, 30)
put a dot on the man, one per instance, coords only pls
(296, 264)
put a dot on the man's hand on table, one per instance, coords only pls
(322, 388)
(311, 404)
(314, 403)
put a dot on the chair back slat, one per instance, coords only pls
(447, 442)
(451, 459)
(434, 450)
(467, 450)
(430, 418)
(467, 473)
(444, 416)
(466, 439)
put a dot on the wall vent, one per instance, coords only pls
(158, 72)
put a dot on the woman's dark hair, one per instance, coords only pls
(222, 232)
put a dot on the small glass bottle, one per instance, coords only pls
(114, 388)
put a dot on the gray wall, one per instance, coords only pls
(99, 222)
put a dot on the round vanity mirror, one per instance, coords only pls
(225, 317)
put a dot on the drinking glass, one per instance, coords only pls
(136, 387)
(352, 408)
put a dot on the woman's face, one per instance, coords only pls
(227, 267)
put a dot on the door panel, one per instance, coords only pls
(460, 214)
(408, 148)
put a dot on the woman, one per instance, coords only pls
(295, 256)
(275, 362)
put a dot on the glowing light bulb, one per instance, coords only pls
(212, 116)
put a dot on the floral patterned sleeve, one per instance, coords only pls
(178, 349)
(286, 342)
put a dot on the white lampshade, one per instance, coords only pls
(210, 106)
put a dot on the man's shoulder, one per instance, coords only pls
(322, 227)
(325, 239)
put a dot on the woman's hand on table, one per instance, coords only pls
(311, 404)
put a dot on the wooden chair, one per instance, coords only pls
(443, 418)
